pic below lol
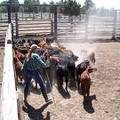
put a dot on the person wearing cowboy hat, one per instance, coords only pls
(31, 70)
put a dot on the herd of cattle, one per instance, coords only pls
(61, 68)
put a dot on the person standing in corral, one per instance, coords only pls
(31, 70)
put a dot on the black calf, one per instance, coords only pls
(62, 72)
(71, 70)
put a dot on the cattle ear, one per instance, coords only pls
(90, 70)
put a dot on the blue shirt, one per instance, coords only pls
(34, 63)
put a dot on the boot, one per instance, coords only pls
(46, 97)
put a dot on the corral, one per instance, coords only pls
(104, 100)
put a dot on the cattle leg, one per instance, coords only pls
(59, 81)
(71, 69)
(73, 75)
(88, 88)
(78, 80)
(66, 80)
(83, 89)
(59, 77)
(35, 84)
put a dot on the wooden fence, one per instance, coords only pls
(86, 27)
(33, 27)
(3, 29)
(9, 109)
(89, 28)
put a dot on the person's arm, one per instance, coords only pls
(40, 61)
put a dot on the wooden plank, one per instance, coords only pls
(34, 33)
(8, 92)
(34, 22)
(35, 29)
(34, 25)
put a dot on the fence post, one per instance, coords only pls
(49, 12)
(86, 26)
(41, 12)
(12, 31)
(33, 12)
(55, 22)
(114, 25)
(51, 27)
(16, 20)
(9, 11)
(9, 108)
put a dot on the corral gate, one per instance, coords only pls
(90, 27)
(116, 31)
(39, 22)
(101, 24)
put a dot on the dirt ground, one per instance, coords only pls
(69, 106)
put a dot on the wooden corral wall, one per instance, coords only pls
(91, 27)
(3, 29)
(33, 27)
(116, 30)
(9, 110)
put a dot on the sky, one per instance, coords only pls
(99, 3)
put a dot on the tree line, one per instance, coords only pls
(66, 7)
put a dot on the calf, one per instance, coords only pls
(85, 81)
(80, 69)
(71, 70)
(18, 60)
(18, 66)
(90, 61)
(66, 67)
(91, 58)
(62, 72)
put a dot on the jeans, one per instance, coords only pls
(35, 74)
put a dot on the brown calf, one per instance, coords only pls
(19, 57)
(85, 81)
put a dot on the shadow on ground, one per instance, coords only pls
(87, 103)
(36, 114)
(65, 94)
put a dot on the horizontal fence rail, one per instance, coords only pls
(9, 110)
(33, 27)
(3, 29)
(96, 24)
(90, 28)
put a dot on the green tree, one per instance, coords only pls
(51, 7)
(87, 6)
(3, 7)
(36, 6)
(70, 7)
(28, 5)
(14, 5)
(31, 5)
(45, 7)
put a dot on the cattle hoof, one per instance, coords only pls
(66, 89)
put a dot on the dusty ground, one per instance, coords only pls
(105, 87)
